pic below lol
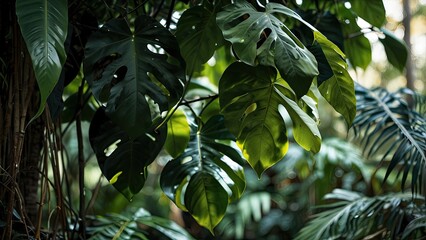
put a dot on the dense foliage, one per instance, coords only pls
(213, 84)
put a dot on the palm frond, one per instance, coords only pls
(354, 216)
(416, 229)
(252, 206)
(388, 126)
(142, 225)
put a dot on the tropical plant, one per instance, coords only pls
(143, 73)
(141, 225)
(276, 206)
(354, 216)
(391, 126)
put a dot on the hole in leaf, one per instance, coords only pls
(155, 48)
(111, 148)
(115, 177)
(186, 159)
(150, 137)
(263, 36)
(100, 65)
(119, 75)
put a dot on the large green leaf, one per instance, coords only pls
(177, 134)
(250, 99)
(339, 89)
(206, 200)
(139, 73)
(44, 27)
(207, 175)
(123, 160)
(396, 50)
(358, 50)
(198, 36)
(372, 11)
(262, 37)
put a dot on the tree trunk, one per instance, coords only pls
(19, 151)
(406, 22)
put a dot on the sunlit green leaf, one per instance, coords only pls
(139, 73)
(123, 160)
(44, 27)
(339, 89)
(198, 36)
(177, 134)
(250, 99)
(206, 200)
(260, 37)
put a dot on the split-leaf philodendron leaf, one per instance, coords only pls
(208, 175)
(260, 37)
(123, 160)
(139, 73)
(250, 99)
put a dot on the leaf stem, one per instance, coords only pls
(169, 16)
(176, 106)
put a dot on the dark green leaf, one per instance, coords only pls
(395, 49)
(213, 161)
(44, 27)
(339, 89)
(123, 160)
(260, 37)
(250, 99)
(372, 11)
(140, 73)
(358, 50)
(198, 36)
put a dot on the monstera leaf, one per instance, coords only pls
(198, 36)
(339, 89)
(44, 27)
(123, 160)
(260, 37)
(207, 175)
(252, 99)
(139, 73)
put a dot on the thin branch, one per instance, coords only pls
(81, 163)
(170, 114)
(169, 16)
